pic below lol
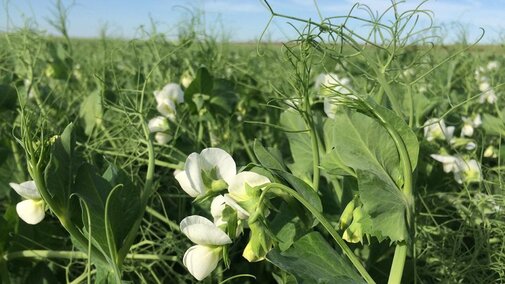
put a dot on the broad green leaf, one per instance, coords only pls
(59, 172)
(303, 189)
(267, 159)
(493, 125)
(93, 190)
(91, 111)
(313, 260)
(385, 206)
(202, 84)
(299, 142)
(123, 209)
(367, 147)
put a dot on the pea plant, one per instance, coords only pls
(172, 158)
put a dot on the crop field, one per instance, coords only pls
(340, 156)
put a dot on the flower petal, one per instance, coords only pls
(202, 231)
(194, 172)
(241, 212)
(201, 260)
(219, 158)
(31, 211)
(236, 186)
(26, 189)
(158, 124)
(183, 180)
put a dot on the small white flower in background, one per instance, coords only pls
(212, 169)
(202, 259)
(470, 124)
(449, 163)
(186, 79)
(492, 65)
(166, 99)
(487, 93)
(31, 210)
(158, 124)
(328, 85)
(162, 138)
(469, 171)
(490, 152)
(435, 129)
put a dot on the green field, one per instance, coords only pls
(337, 157)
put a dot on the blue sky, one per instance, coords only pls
(241, 20)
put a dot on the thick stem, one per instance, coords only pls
(396, 273)
(4, 272)
(327, 225)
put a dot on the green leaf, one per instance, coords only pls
(299, 142)
(91, 111)
(266, 158)
(367, 147)
(123, 209)
(93, 190)
(202, 84)
(59, 172)
(303, 189)
(493, 125)
(313, 260)
(385, 206)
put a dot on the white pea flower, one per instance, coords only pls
(469, 171)
(449, 163)
(162, 138)
(470, 124)
(492, 65)
(490, 152)
(212, 169)
(158, 124)
(186, 79)
(32, 209)
(435, 129)
(202, 259)
(166, 99)
(487, 93)
(244, 189)
(328, 85)
(217, 207)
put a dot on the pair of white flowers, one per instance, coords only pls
(435, 129)
(166, 100)
(466, 171)
(488, 94)
(208, 173)
(32, 209)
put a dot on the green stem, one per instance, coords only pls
(395, 275)
(163, 219)
(43, 254)
(247, 148)
(4, 271)
(327, 225)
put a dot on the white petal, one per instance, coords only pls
(167, 109)
(477, 121)
(217, 206)
(162, 138)
(26, 189)
(201, 261)
(236, 186)
(467, 130)
(174, 92)
(241, 212)
(444, 158)
(202, 231)
(158, 124)
(31, 211)
(194, 172)
(329, 108)
(219, 158)
(183, 180)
